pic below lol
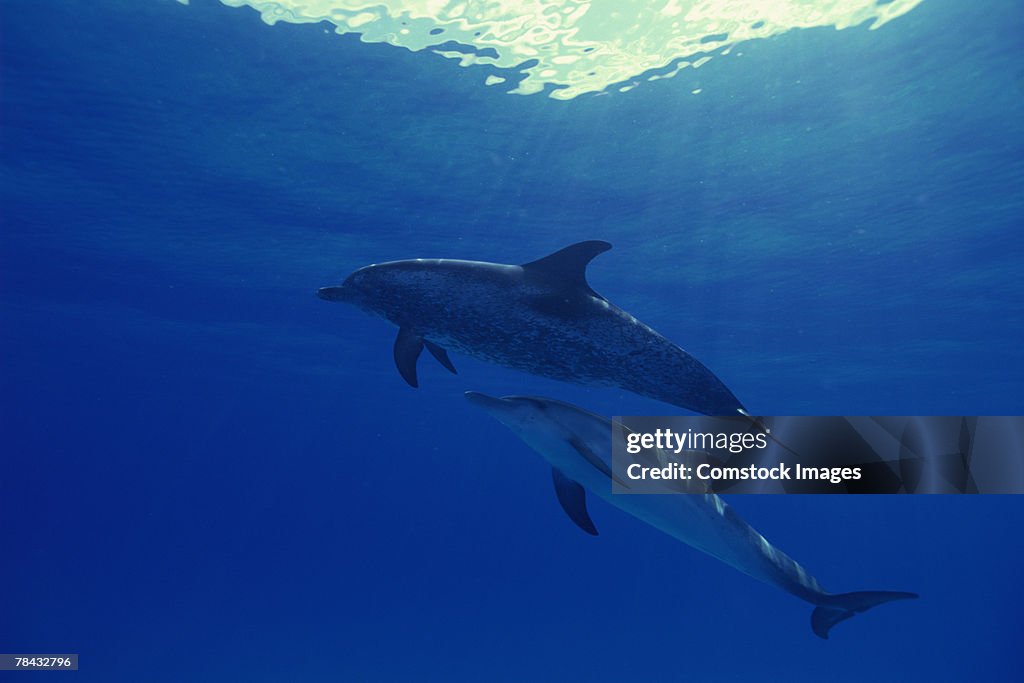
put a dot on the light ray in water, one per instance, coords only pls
(572, 47)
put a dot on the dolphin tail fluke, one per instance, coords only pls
(836, 608)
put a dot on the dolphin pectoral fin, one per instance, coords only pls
(836, 608)
(441, 355)
(573, 499)
(595, 461)
(568, 266)
(408, 346)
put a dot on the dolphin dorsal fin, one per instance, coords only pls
(569, 266)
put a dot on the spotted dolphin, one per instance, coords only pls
(540, 317)
(578, 445)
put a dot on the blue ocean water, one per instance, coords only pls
(210, 474)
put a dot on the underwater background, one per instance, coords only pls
(207, 473)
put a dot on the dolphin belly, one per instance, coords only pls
(599, 345)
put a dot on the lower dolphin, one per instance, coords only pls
(578, 444)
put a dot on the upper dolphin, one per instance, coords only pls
(541, 317)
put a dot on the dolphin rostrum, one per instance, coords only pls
(541, 317)
(578, 445)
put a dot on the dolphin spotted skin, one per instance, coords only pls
(578, 445)
(541, 317)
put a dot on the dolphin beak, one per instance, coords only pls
(488, 403)
(332, 293)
